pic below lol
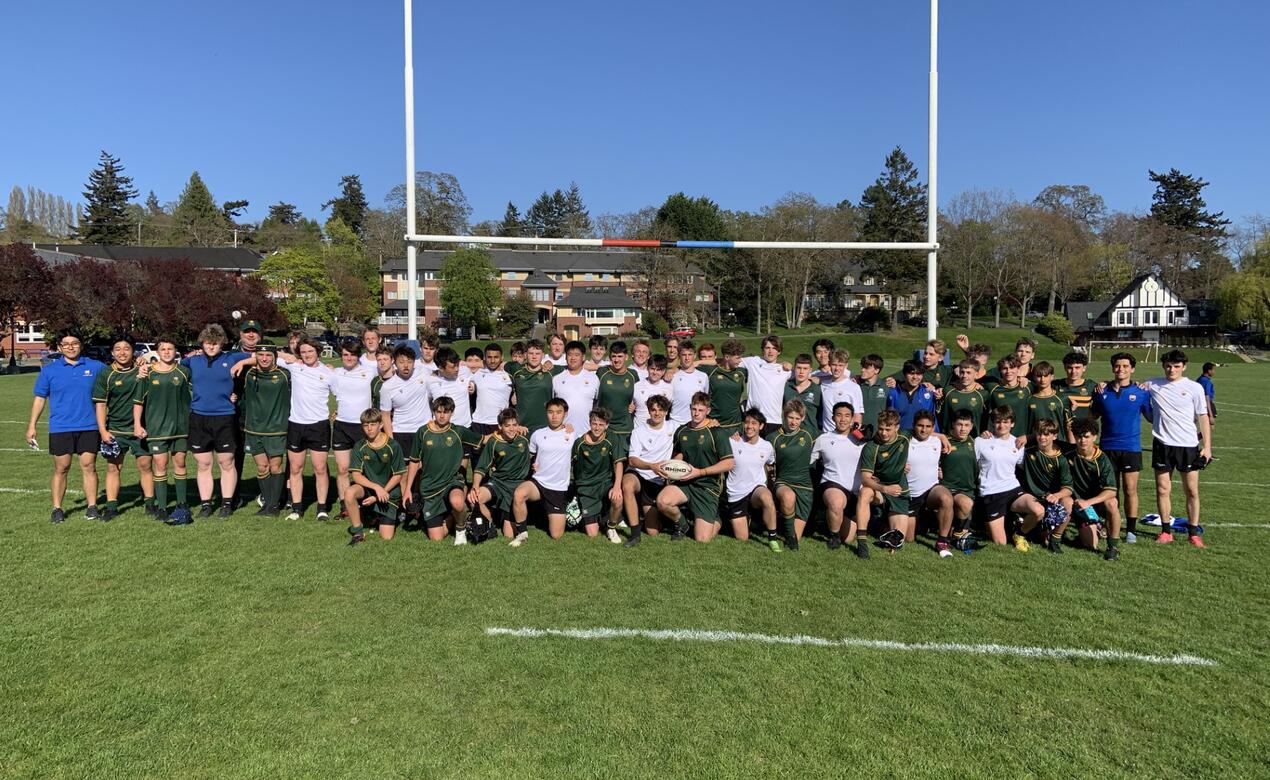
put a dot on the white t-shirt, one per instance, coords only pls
(835, 393)
(427, 369)
(493, 395)
(749, 467)
(352, 392)
(368, 360)
(1174, 407)
(310, 389)
(645, 390)
(683, 386)
(923, 464)
(840, 454)
(407, 399)
(652, 445)
(455, 389)
(554, 452)
(766, 387)
(640, 371)
(579, 391)
(997, 458)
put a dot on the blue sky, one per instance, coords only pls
(742, 101)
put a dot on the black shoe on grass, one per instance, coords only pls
(862, 549)
(833, 542)
(791, 543)
(226, 511)
(206, 510)
(92, 513)
(58, 516)
(109, 514)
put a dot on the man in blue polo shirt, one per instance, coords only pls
(66, 385)
(1122, 405)
(213, 425)
(911, 395)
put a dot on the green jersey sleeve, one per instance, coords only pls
(398, 461)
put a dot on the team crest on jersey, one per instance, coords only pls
(154, 381)
(449, 440)
(430, 442)
(1133, 397)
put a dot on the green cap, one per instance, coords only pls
(250, 325)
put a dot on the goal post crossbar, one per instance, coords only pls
(636, 243)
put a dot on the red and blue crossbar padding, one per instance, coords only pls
(643, 243)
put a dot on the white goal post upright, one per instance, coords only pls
(930, 245)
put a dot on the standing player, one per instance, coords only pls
(838, 387)
(686, 383)
(533, 383)
(1012, 392)
(670, 345)
(1047, 477)
(450, 381)
(1120, 406)
(823, 350)
(555, 356)
(309, 427)
(1024, 351)
(577, 387)
(377, 470)
(884, 474)
(213, 427)
(873, 389)
(1045, 403)
(1077, 391)
(597, 346)
(956, 489)
(839, 452)
(598, 461)
(616, 393)
(1093, 488)
(385, 369)
(640, 355)
(792, 444)
(728, 382)
(1183, 441)
(801, 387)
(551, 449)
(371, 342)
(493, 391)
(645, 389)
(963, 393)
(266, 405)
(404, 396)
(351, 386)
(707, 450)
(113, 391)
(161, 416)
(1206, 381)
(767, 377)
(502, 467)
(436, 473)
(652, 444)
(752, 457)
(1000, 493)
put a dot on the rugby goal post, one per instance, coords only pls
(1152, 348)
(930, 245)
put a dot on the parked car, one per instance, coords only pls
(681, 332)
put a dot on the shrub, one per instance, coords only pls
(868, 320)
(653, 323)
(1056, 327)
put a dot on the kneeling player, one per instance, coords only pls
(792, 444)
(503, 465)
(1000, 493)
(1094, 488)
(839, 455)
(1047, 478)
(707, 450)
(883, 473)
(376, 468)
(954, 495)
(752, 456)
(552, 451)
(438, 463)
(924, 452)
(598, 461)
(652, 444)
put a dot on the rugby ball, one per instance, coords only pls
(675, 469)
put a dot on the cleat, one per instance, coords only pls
(1165, 537)
(1021, 544)
(791, 543)
(633, 541)
(681, 529)
(833, 542)
(622, 525)
(226, 511)
(356, 534)
(1197, 541)
(150, 509)
(613, 537)
(323, 514)
(774, 545)
(205, 510)
(343, 515)
(160, 515)
(264, 511)
(1112, 554)
(58, 516)
(293, 512)
(862, 549)
(1130, 537)
(520, 539)
(944, 549)
(460, 537)
(92, 513)
(1055, 545)
(109, 514)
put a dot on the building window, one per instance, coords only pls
(1124, 318)
(1151, 317)
(392, 295)
(1177, 315)
(30, 334)
(607, 277)
(559, 296)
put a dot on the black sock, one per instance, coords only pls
(943, 540)
(1192, 530)
(519, 528)
(771, 535)
(1132, 523)
(636, 530)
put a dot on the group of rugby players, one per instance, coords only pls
(598, 434)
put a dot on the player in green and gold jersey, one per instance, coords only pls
(376, 467)
(502, 466)
(1045, 403)
(599, 460)
(617, 391)
(707, 450)
(113, 391)
(800, 387)
(883, 476)
(958, 473)
(792, 445)
(873, 389)
(161, 416)
(436, 475)
(533, 388)
(1012, 391)
(266, 405)
(1046, 476)
(1093, 489)
(1076, 390)
(963, 393)
(728, 382)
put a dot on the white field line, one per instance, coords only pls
(1236, 525)
(28, 491)
(1252, 414)
(694, 635)
(1245, 406)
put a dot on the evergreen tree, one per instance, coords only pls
(576, 218)
(152, 204)
(893, 208)
(546, 215)
(17, 206)
(512, 224)
(1194, 261)
(350, 207)
(108, 192)
(197, 220)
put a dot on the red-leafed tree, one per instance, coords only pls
(26, 285)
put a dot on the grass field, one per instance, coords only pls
(262, 648)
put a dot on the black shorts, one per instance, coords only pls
(344, 435)
(74, 442)
(997, 505)
(1125, 461)
(917, 503)
(648, 491)
(553, 501)
(407, 442)
(734, 510)
(484, 429)
(213, 433)
(1165, 457)
(309, 436)
(827, 485)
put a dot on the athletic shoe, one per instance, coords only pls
(520, 539)
(160, 515)
(1112, 554)
(943, 549)
(632, 541)
(343, 515)
(621, 524)
(57, 516)
(862, 548)
(681, 529)
(226, 511)
(613, 537)
(774, 545)
(1021, 544)
(1055, 545)
(460, 537)
(356, 534)
(791, 543)
(92, 513)
(109, 514)
(205, 510)
(1197, 541)
(1165, 537)
(150, 509)
(1130, 537)
(263, 511)
(323, 514)
(833, 542)
(293, 512)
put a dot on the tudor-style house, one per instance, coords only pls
(1146, 311)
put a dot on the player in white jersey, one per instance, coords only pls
(577, 386)
(493, 391)
(766, 383)
(1000, 493)
(405, 397)
(654, 384)
(640, 355)
(687, 381)
(351, 386)
(1183, 440)
(555, 351)
(552, 451)
(308, 426)
(838, 387)
(924, 452)
(370, 346)
(652, 444)
(752, 460)
(823, 350)
(838, 452)
(448, 382)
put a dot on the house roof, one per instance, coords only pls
(1083, 314)
(526, 261)
(599, 297)
(213, 257)
(538, 279)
